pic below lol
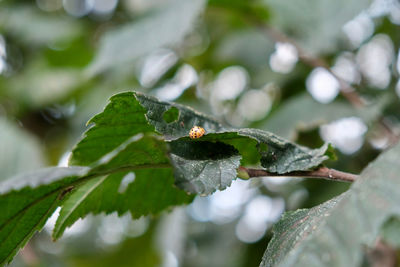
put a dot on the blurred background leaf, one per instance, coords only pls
(35, 27)
(21, 151)
(324, 235)
(165, 26)
(316, 25)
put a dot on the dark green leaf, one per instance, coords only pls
(280, 156)
(28, 200)
(186, 120)
(24, 210)
(120, 141)
(203, 167)
(17, 230)
(148, 191)
(283, 156)
(121, 119)
(116, 142)
(123, 140)
(124, 116)
(151, 191)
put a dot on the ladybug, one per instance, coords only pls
(196, 132)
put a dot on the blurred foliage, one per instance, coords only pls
(57, 70)
(139, 251)
(25, 156)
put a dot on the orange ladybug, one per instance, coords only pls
(196, 132)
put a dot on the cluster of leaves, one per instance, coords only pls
(128, 166)
(125, 144)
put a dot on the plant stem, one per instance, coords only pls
(322, 173)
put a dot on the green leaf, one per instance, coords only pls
(121, 140)
(20, 228)
(303, 113)
(23, 150)
(21, 195)
(150, 191)
(276, 154)
(279, 156)
(24, 210)
(133, 113)
(138, 152)
(204, 165)
(33, 193)
(164, 27)
(198, 167)
(121, 119)
(187, 118)
(335, 232)
(283, 156)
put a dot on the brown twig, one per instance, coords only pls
(321, 173)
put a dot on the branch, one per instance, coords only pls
(321, 173)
